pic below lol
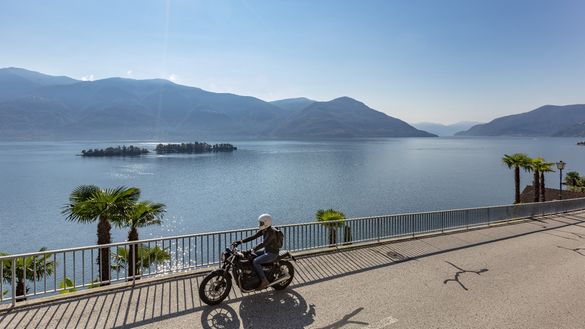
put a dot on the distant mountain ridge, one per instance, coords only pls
(445, 130)
(38, 106)
(548, 120)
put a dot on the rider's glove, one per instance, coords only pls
(237, 243)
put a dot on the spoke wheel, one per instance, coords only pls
(214, 288)
(286, 268)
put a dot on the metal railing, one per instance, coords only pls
(66, 270)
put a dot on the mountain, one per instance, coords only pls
(38, 106)
(293, 104)
(576, 130)
(16, 82)
(548, 120)
(345, 117)
(445, 130)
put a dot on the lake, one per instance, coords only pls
(289, 179)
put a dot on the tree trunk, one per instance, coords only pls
(347, 234)
(536, 185)
(517, 184)
(132, 261)
(103, 233)
(20, 290)
(332, 236)
(542, 189)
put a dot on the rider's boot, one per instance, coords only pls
(263, 284)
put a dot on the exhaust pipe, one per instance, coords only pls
(279, 280)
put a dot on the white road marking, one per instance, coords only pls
(382, 323)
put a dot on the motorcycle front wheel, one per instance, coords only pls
(215, 287)
(286, 268)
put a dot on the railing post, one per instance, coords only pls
(13, 282)
(134, 251)
(412, 224)
(379, 229)
(219, 247)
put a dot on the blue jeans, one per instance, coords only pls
(263, 257)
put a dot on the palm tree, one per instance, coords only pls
(141, 214)
(517, 161)
(536, 163)
(331, 219)
(32, 268)
(89, 203)
(543, 167)
(145, 257)
(574, 181)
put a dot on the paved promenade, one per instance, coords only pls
(526, 275)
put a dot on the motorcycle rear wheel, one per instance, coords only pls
(285, 268)
(215, 287)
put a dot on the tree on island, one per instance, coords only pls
(141, 214)
(517, 161)
(115, 151)
(193, 148)
(32, 268)
(89, 203)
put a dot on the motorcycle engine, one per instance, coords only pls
(250, 281)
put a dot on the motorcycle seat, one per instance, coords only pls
(283, 254)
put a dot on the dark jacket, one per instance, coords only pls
(270, 240)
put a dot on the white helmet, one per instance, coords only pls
(265, 221)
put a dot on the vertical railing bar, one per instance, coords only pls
(64, 270)
(219, 247)
(212, 249)
(34, 260)
(13, 281)
(190, 264)
(201, 250)
(183, 252)
(149, 264)
(1, 281)
(55, 273)
(127, 265)
(92, 263)
(134, 251)
(176, 255)
(156, 258)
(127, 248)
(83, 268)
(74, 270)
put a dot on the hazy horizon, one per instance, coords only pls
(440, 62)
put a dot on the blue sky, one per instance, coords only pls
(439, 61)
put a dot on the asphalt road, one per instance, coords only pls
(528, 275)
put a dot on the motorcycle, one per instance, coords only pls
(216, 286)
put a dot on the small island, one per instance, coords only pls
(115, 151)
(193, 148)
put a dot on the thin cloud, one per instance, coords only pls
(87, 77)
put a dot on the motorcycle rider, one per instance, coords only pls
(267, 251)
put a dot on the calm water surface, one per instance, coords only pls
(290, 180)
